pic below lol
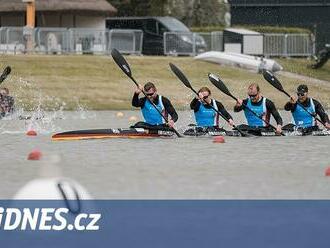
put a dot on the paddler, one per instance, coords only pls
(262, 107)
(301, 118)
(205, 115)
(151, 116)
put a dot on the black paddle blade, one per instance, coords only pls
(5, 73)
(180, 75)
(216, 81)
(121, 62)
(270, 78)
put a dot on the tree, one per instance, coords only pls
(191, 12)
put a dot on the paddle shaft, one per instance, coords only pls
(5, 73)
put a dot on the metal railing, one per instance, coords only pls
(129, 41)
(13, 40)
(287, 45)
(52, 40)
(88, 41)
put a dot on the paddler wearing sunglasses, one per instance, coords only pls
(150, 114)
(261, 106)
(205, 115)
(301, 118)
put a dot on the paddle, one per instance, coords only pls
(124, 66)
(186, 82)
(5, 73)
(216, 81)
(270, 78)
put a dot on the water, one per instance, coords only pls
(187, 168)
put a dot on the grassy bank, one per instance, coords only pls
(301, 66)
(95, 82)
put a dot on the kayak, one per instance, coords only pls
(132, 133)
(138, 133)
(206, 132)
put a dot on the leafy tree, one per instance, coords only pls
(191, 12)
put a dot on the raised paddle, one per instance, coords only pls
(216, 81)
(5, 73)
(270, 78)
(186, 82)
(124, 66)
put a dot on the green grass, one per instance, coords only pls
(301, 66)
(96, 82)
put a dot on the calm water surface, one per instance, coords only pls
(187, 168)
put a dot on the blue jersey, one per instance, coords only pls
(260, 110)
(301, 118)
(207, 117)
(151, 115)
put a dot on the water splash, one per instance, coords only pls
(40, 112)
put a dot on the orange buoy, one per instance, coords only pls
(133, 118)
(35, 155)
(218, 139)
(120, 114)
(31, 133)
(327, 172)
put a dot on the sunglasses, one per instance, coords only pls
(150, 94)
(253, 96)
(300, 94)
(205, 97)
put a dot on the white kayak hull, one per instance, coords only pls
(254, 63)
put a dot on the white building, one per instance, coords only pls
(58, 13)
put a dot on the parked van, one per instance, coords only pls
(153, 29)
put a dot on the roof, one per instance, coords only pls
(99, 6)
(137, 17)
(241, 31)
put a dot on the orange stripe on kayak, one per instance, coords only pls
(58, 137)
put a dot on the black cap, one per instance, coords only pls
(302, 88)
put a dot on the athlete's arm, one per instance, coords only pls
(238, 108)
(320, 111)
(170, 109)
(138, 102)
(289, 106)
(195, 104)
(223, 111)
(272, 109)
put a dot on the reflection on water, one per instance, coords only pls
(264, 167)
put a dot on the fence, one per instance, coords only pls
(74, 40)
(90, 41)
(289, 45)
(12, 40)
(186, 43)
(52, 40)
(128, 41)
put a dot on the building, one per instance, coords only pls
(311, 14)
(58, 13)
